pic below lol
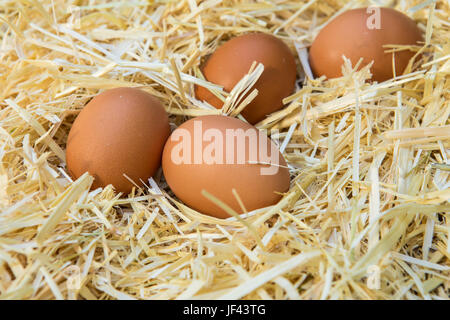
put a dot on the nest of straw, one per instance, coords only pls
(369, 162)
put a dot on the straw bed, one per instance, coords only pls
(369, 162)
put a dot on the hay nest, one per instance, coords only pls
(369, 162)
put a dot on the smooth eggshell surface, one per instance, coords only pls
(187, 179)
(356, 35)
(231, 61)
(120, 131)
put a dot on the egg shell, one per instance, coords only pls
(120, 131)
(354, 34)
(255, 188)
(231, 61)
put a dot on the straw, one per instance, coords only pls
(369, 162)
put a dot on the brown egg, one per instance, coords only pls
(219, 154)
(230, 62)
(356, 35)
(120, 131)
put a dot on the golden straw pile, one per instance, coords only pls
(369, 162)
